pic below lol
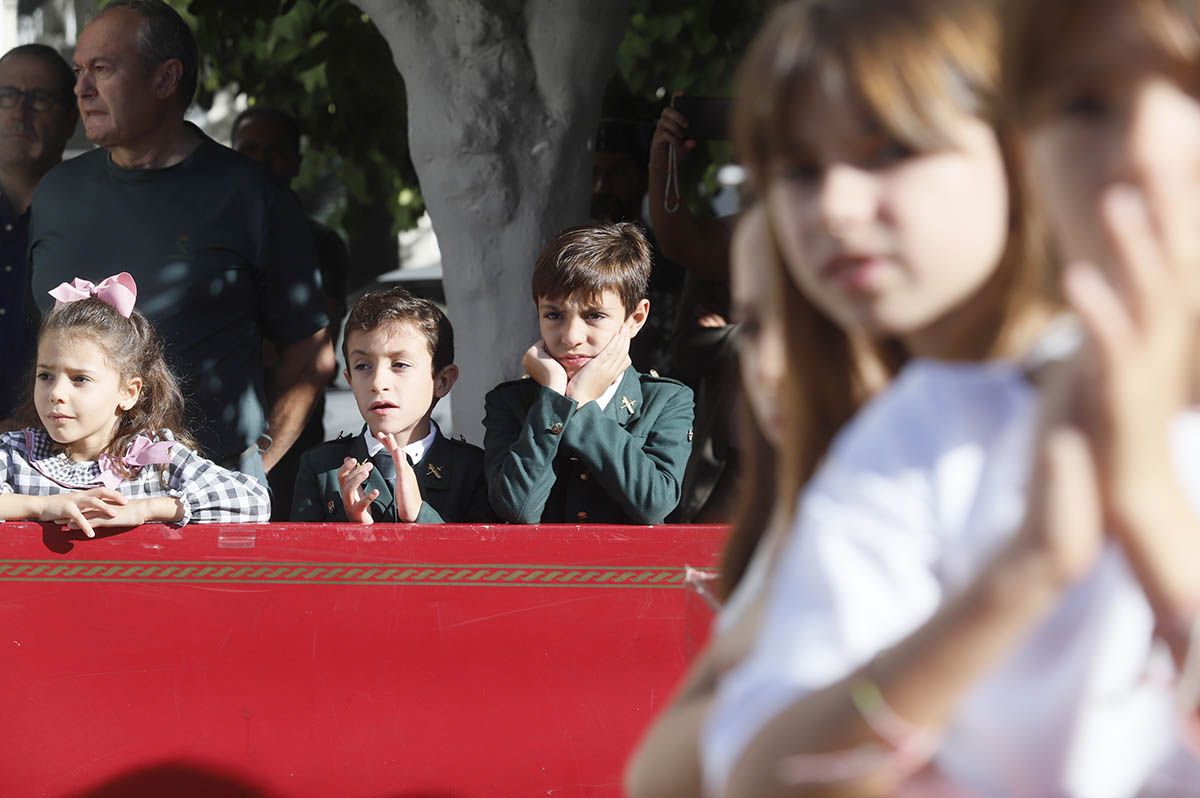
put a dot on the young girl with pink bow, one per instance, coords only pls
(101, 440)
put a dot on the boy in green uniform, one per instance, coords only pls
(399, 354)
(587, 437)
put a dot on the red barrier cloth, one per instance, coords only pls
(333, 659)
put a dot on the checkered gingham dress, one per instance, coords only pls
(210, 494)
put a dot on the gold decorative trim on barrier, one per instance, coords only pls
(297, 573)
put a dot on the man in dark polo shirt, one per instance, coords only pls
(221, 254)
(37, 116)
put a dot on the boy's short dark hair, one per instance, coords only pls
(592, 258)
(397, 306)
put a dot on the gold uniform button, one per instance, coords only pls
(584, 476)
(556, 428)
(581, 516)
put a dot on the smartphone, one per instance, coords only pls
(708, 117)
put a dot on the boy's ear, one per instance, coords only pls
(346, 374)
(637, 319)
(130, 394)
(444, 380)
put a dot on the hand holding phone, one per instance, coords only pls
(707, 117)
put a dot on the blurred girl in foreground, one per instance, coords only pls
(998, 566)
(871, 133)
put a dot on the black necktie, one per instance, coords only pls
(386, 466)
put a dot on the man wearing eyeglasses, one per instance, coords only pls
(37, 116)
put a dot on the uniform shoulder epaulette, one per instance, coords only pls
(654, 376)
(461, 442)
(524, 379)
(340, 440)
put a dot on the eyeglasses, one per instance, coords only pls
(10, 97)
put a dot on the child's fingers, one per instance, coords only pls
(77, 516)
(389, 442)
(97, 505)
(1141, 267)
(365, 502)
(114, 496)
(357, 477)
(351, 474)
(1104, 316)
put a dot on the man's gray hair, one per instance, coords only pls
(164, 35)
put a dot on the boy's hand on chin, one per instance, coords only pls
(541, 366)
(408, 492)
(591, 381)
(351, 477)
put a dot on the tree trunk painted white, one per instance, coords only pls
(503, 102)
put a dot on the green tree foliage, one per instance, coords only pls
(324, 62)
(693, 46)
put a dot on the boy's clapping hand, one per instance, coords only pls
(591, 381)
(408, 492)
(351, 477)
(543, 368)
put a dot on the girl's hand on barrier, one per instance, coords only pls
(155, 510)
(351, 477)
(74, 508)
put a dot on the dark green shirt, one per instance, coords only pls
(222, 258)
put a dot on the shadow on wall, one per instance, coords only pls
(190, 780)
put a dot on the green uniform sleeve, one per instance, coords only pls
(428, 515)
(519, 447)
(641, 474)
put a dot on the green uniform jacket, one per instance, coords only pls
(450, 476)
(552, 461)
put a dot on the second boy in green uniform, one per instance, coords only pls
(399, 362)
(587, 438)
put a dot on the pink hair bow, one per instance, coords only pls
(118, 292)
(142, 452)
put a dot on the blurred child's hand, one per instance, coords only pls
(1138, 363)
(543, 368)
(1063, 524)
(74, 508)
(1137, 369)
(591, 381)
(351, 477)
(408, 492)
